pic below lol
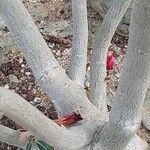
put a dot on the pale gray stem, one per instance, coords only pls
(125, 116)
(24, 114)
(37, 53)
(80, 41)
(66, 95)
(12, 137)
(99, 55)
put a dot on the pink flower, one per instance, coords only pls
(110, 60)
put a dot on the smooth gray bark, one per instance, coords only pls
(99, 55)
(80, 40)
(12, 137)
(31, 119)
(125, 116)
(66, 95)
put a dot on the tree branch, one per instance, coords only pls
(37, 53)
(12, 137)
(23, 113)
(99, 55)
(66, 95)
(125, 116)
(80, 40)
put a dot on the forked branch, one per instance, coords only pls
(66, 95)
(24, 114)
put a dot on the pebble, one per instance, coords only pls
(27, 73)
(22, 65)
(54, 51)
(30, 96)
(34, 91)
(88, 68)
(21, 61)
(32, 103)
(29, 88)
(24, 95)
(37, 100)
(50, 45)
(13, 79)
(87, 84)
(58, 53)
(22, 70)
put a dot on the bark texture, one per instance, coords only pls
(80, 40)
(99, 55)
(125, 116)
(31, 119)
(66, 95)
(12, 137)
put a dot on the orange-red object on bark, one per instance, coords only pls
(68, 120)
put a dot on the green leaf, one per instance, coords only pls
(29, 146)
(43, 145)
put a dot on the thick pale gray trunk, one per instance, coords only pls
(125, 116)
(80, 40)
(99, 55)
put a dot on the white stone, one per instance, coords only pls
(13, 78)
(27, 73)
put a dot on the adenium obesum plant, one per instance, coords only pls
(110, 60)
